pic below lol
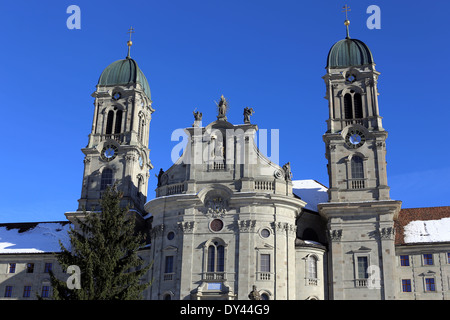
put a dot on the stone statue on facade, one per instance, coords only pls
(222, 108)
(161, 172)
(197, 118)
(287, 171)
(254, 294)
(247, 113)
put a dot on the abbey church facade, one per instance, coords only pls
(227, 223)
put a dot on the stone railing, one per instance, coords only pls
(265, 185)
(214, 276)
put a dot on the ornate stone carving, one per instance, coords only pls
(186, 227)
(284, 227)
(387, 233)
(335, 235)
(246, 225)
(216, 207)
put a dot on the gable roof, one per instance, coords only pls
(423, 225)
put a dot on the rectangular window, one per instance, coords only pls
(26, 291)
(48, 267)
(406, 285)
(45, 291)
(448, 257)
(428, 259)
(169, 264)
(363, 264)
(404, 261)
(8, 291)
(30, 267)
(429, 284)
(12, 268)
(265, 263)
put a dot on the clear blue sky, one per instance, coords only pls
(269, 55)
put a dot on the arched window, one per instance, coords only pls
(211, 258)
(357, 167)
(348, 113)
(118, 121)
(358, 106)
(312, 267)
(109, 122)
(215, 257)
(107, 178)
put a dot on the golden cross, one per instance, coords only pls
(346, 9)
(130, 31)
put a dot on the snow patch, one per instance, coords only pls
(311, 192)
(427, 231)
(44, 237)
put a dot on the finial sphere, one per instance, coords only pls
(347, 22)
(129, 43)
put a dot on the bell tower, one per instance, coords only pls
(360, 214)
(117, 150)
(355, 138)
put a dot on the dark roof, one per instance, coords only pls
(349, 52)
(124, 72)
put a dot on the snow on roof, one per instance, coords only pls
(427, 231)
(420, 225)
(310, 191)
(36, 237)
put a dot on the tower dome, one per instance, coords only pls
(124, 72)
(349, 52)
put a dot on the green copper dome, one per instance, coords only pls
(124, 72)
(349, 52)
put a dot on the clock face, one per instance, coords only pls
(109, 152)
(355, 138)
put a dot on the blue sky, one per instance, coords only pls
(269, 55)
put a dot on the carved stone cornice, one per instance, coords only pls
(335, 235)
(246, 225)
(186, 226)
(387, 233)
(284, 227)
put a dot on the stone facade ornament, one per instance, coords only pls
(387, 233)
(246, 225)
(335, 235)
(216, 207)
(186, 227)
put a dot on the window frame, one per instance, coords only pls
(406, 283)
(407, 261)
(26, 291)
(429, 286)
(8, 292)
(30, 267)
(426, 260)
(12, 267)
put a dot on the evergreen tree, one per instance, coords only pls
(105, 249)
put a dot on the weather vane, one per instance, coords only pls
(130, 43)
(346, 22)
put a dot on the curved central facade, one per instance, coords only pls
(224, 220)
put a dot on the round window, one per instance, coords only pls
(265, 233)
(171, 235)
(216, 225)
